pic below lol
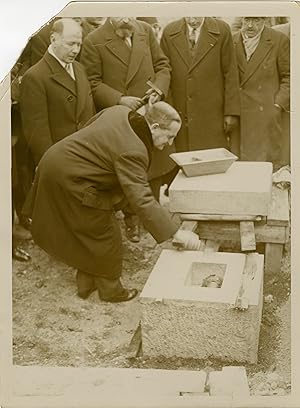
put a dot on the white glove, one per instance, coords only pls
(189, 239)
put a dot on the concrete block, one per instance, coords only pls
(244, 189)
(231, 381)
(182, 318)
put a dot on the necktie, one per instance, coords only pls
(192, 37)
(127, 41)
(69, 71)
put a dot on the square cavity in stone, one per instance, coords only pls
(182, 318)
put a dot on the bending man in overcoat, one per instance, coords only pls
(120, 57)
(82, 179)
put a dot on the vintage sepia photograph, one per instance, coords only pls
(151, 207)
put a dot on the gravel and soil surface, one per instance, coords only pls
(53, 327)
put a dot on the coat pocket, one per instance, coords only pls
(94, 198)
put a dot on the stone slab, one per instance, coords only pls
(180, 318)
(244, 189)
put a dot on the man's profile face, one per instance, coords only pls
(251, 26)
(194, 22)
(66, 45)
(163, 137)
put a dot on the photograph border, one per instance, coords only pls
(114, 394)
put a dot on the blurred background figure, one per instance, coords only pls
(263, 56)
(90, 24)
(156, 27)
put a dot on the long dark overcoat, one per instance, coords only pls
(203, 88)
(264, 81)
(114, 70)
(52, 104)
(77, 185)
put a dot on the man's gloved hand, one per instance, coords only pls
(131, 101)
(189, 239)
(230, 123)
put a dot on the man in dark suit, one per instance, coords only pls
(204, 81)
(264, 69)
(120, 57)
(88, 175)
(55, 96)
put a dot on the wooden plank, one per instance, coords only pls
(221, 217)
(273, 256)
(247, 234)
(230, 231)
(88, 383)
(242, 300)
(279, 213)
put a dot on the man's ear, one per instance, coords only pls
(155, 125)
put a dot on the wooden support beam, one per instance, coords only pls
(279, 212)
(247, 233)
(273, 256)
(221, 217)
(230, 231)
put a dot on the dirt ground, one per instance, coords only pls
(53, 327)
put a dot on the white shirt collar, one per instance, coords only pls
(198, 29)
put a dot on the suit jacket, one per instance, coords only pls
(204, 87)
(115, 70)
(52, 104)
(264, 81)
(83, 176)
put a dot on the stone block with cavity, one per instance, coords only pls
(188, 307)
(245, 189)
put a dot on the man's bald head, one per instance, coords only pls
(66, 39)
(164, 123)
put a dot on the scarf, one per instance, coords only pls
(250, 44)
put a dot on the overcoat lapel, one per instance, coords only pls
(180, 41)
(137, 54)
(240, 53)
(209, 35)
(81, 85)
(115, 44)
(59, 74)
(263, 49)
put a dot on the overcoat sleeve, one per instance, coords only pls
(34, 113)
(104, 95)
(131, 170)
(161, 64)
(282, 97)
(231, 76)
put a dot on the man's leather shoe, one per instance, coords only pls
(133, 233)
(86, 284)
(126, 295)
(84, 294)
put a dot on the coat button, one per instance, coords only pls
(70, 98)
(261, 108)
(79, 124)
(259, 87)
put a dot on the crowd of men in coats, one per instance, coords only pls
(229, 85)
